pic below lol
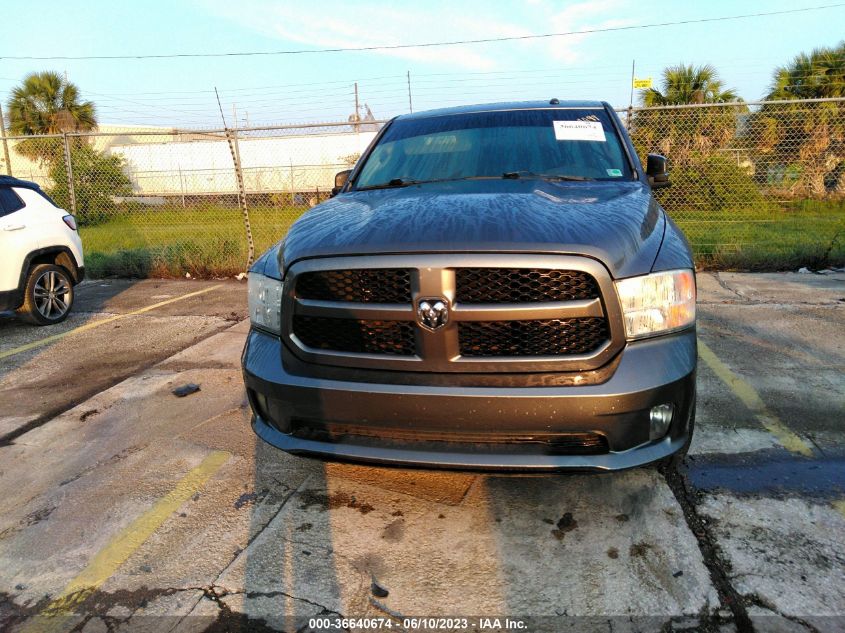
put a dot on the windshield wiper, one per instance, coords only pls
(513, 175)
(395, 183)
(390, 184)
(402, 182)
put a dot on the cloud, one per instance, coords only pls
(583, 16)
(344, 25)
(339, 25)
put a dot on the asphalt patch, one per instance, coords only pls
(773, 472)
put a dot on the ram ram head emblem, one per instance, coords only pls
(432, 314)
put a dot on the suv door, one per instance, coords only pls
(19, 236)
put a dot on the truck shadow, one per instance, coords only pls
(361, 541)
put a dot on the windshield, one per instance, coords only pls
(571, 143)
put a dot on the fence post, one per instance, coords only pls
(5, 143)
(292, 184)
(69, 169)
(232, 136)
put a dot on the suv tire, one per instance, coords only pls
(48, 295)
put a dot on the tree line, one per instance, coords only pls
(795, 148)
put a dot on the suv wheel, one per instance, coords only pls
(48, 295)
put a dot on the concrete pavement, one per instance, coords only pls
(746, 535)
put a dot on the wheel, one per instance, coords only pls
(48, 295)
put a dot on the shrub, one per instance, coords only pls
(98, 179)
(713, 183)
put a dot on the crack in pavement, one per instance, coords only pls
(271, 594)
(724, 284)
(746, 300)
(215, 597)
(765, 604)
(711, 552)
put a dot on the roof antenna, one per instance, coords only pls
(554, 101)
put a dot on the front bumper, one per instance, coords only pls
(411, 424)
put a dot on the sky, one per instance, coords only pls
(318, 87)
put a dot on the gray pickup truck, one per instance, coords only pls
(492, 287)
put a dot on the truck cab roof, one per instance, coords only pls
(507, 105)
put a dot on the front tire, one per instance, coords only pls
(48, 295)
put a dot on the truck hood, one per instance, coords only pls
(618, 223)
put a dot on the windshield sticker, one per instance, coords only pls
(614, 173)
(579, 131)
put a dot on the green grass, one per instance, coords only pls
(782, 237)
(209, 240)
(205, 241)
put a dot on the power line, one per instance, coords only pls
(425, 44)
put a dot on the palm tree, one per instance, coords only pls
(804, 140)
(47, 103)
(684, 84)
(819, 75)
(689, 134)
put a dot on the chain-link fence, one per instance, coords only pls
(758, 185)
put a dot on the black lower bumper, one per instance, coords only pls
(429, 424)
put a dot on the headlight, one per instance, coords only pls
(657, 303)
(265, 302)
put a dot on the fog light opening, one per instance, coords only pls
(660, 418)
(259, 404)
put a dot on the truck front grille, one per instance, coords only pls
(520, 285)
(356, 336)
(535, 313)
(553, 337)
(380, 285)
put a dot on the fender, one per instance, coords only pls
(12, 299)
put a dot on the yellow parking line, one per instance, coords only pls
(106, 562)
(93, 324)
(839, 506)
(751, 399)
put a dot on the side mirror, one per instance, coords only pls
(340, 179)
(657, 170)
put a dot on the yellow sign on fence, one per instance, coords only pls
(642, 83)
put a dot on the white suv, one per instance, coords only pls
(40, 253)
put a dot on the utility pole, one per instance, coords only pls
(631, 102)
(5, 143)
(410, 103)
(356, 115)
(232, 139)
